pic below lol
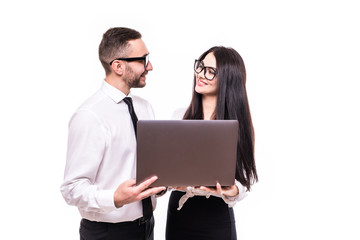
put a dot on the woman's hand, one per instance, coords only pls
(230, 191)
(182, 188)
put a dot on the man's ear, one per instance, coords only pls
(118, 67)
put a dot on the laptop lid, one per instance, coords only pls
(187, 152)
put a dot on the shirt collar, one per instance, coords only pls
(115, 94)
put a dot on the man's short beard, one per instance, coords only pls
(132, 80)
(135, 83)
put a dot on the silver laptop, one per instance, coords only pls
(187, 152)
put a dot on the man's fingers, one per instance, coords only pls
(130, 183)
(145, 191)
(151, 191)
(145, 184)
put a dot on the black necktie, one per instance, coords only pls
(146, 203)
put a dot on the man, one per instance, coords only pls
(101, 158)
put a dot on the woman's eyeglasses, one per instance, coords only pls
(145, 59)
(209, 72)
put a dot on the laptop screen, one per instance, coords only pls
(187, 152)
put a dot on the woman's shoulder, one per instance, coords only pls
(178, 114)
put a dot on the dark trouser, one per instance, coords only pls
(134, 230)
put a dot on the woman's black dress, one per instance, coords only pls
(199, 218)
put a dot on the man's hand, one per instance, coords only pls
(128, 192)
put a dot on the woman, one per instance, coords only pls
(219, 93)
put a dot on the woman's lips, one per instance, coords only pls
(201, 83)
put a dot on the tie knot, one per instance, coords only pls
(128, 100)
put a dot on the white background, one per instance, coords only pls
(302, 60)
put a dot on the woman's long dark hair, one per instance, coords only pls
(232, 103)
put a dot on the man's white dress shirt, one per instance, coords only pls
(102, 154)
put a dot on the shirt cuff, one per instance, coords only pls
(231, 201)
(106, 200)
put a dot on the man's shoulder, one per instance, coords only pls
(95, 99)
(140, 100)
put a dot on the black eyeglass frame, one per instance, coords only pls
(144, 58)
(198, 62)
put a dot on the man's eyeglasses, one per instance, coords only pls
(209, 72)
(145, 59)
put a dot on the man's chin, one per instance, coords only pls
(140, 85)
(142, 82)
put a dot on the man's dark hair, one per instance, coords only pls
(114, 44)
